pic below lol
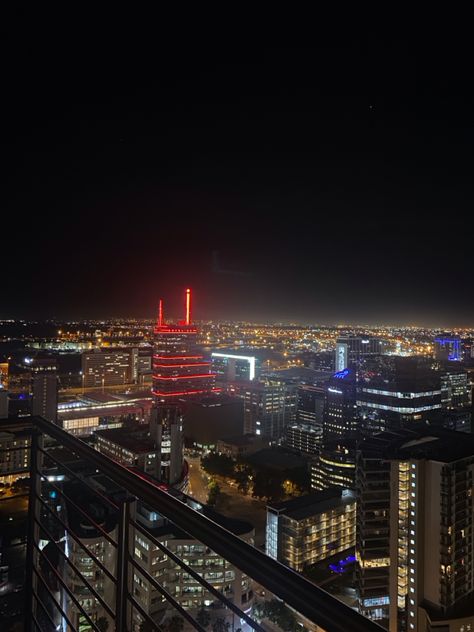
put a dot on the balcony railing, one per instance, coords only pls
(81, 564)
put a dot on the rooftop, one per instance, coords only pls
(124, 438)
(434, 444)
(312, 504)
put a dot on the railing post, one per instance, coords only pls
(31, 580)
(124, 576)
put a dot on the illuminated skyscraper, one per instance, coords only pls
(180, 374)
(340, 416)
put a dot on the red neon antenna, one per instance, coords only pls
(160, 313)
(188, 307)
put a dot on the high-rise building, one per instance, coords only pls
(189, 593)
(310, 405)
(98, 535)
(268, 407)
(350, 350)
(448, 348)
(180, 375)
(415, 525)
(109, 367)
(398, 392)
(334, 466)
(456, 388)
(45, 395)
(341, 420)
(311, 528)
(303, 438)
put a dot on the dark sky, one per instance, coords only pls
(329, 183)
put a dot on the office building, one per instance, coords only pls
(189, 593)
(268, 407)
(334, 466)
(180, 375)
(102, 368)
(310, 405)
(131, 448)
(229, 367)
(309, 529)
(303, 438)
(351, 350)
(398, 392)
(45, 395)
(99, 410)
(448, 348)
(89, 536)
(415, 524)
(456, 388)
(341, 419)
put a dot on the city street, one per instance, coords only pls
(231, 502)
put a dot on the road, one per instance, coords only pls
(231, 502)
(198, 480)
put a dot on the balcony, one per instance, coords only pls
(84, 532)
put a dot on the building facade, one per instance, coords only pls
(415, 526)
(180, 375)
(334, 466)
(350, 350)
(309, 529)
(341, 419)
(101, 368)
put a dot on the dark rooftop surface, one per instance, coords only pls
(126, 439)
(311, 504)
(435, 444)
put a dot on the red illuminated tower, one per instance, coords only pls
(180, 374)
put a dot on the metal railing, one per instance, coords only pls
(78, 564)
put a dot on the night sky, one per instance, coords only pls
(328, 184)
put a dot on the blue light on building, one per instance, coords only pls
(342, 374)
(450, 347)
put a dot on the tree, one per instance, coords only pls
(203, 617)
(103, 624)
(279, 613)
(220, 625)
(242, 477)
(218, 464)
(267, 486)
(175, 624)
(214, 493)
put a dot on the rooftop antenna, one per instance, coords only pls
(160, 313)
(188, 307)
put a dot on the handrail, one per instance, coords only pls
(297, 592)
